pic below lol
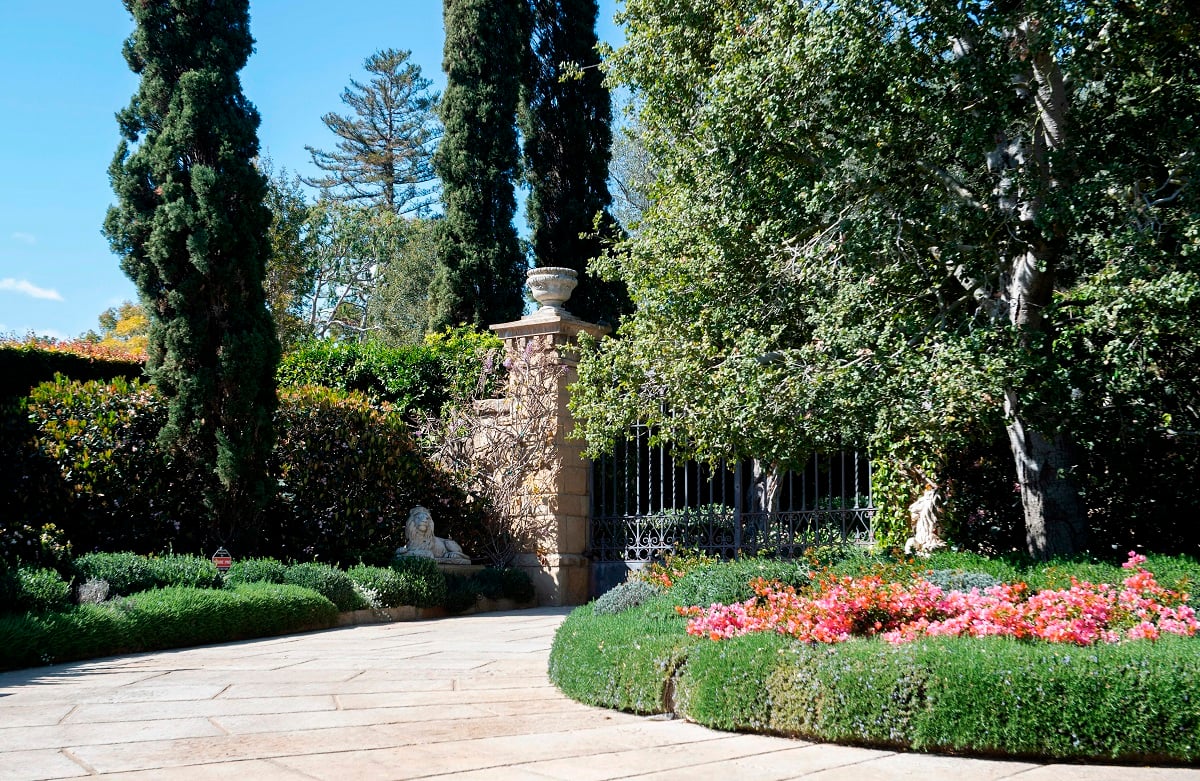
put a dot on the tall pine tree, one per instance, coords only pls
(191, 229)
(385, 147)
(481, 270)
(568, 140)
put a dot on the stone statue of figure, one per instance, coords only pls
(418, 532)
(924, 514)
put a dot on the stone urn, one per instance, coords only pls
(551, 287)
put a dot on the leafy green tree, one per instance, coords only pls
(385, 146)
(632, 175)
(290, 272)
(916, 225)
(481, 269)
(350, 251)
(191, 230)
(565, 120)
(398, 310)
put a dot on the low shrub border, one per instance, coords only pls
(163, 618)
(1133, 701)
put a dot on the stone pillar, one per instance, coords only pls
(558, 568)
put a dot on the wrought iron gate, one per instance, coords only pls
(646, 505)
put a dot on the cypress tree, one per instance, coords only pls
(568, 139)
(191, 229)
(481, 270)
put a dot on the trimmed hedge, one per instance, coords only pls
(729, 582)
(164, 618)
(463, 592)
(129, 573)
(328, 581)
(625, 661)
(424, 583)
(266, 570)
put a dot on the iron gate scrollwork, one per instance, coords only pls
(645, 505)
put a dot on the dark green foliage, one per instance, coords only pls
(565, 123)
(424, 583)
(265, 570)
(90, 463)
(721, 685)
(629, 594)
(24, 366)
(418, 379)
(515, 584)
(834, 264)
(165, 618)
(328, 581)
(504, 583)
(729, 582)
(490, 583)
(37, 590)
(461, 594)
(175, 569)
(350, 473)
(127, 573)
(191, 230)
(481, 271)
(623, 661)
(387, 587)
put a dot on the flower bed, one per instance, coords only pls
(847, 607)
(891, 660)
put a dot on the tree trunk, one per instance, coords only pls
(1054, 520)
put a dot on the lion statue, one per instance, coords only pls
(418, 532)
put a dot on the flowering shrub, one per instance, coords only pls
(666, 574)
(847, 607)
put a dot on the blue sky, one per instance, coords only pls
(64, 79)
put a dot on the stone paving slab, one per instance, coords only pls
(453, 698)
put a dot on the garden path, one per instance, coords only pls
(454, 698)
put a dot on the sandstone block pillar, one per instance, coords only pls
(558, 567)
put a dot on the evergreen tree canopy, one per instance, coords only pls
(191, 229)
(481, 269)
(385, 147)
(919, 225)
(566, 126)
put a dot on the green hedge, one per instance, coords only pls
(416, 378)
(425, 584)
(625, 661)
(328, 581)
(348, 472)
(163, 618)
(128, 573)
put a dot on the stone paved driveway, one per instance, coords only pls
(457, 697)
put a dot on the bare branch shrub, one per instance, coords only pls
(503, 451)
